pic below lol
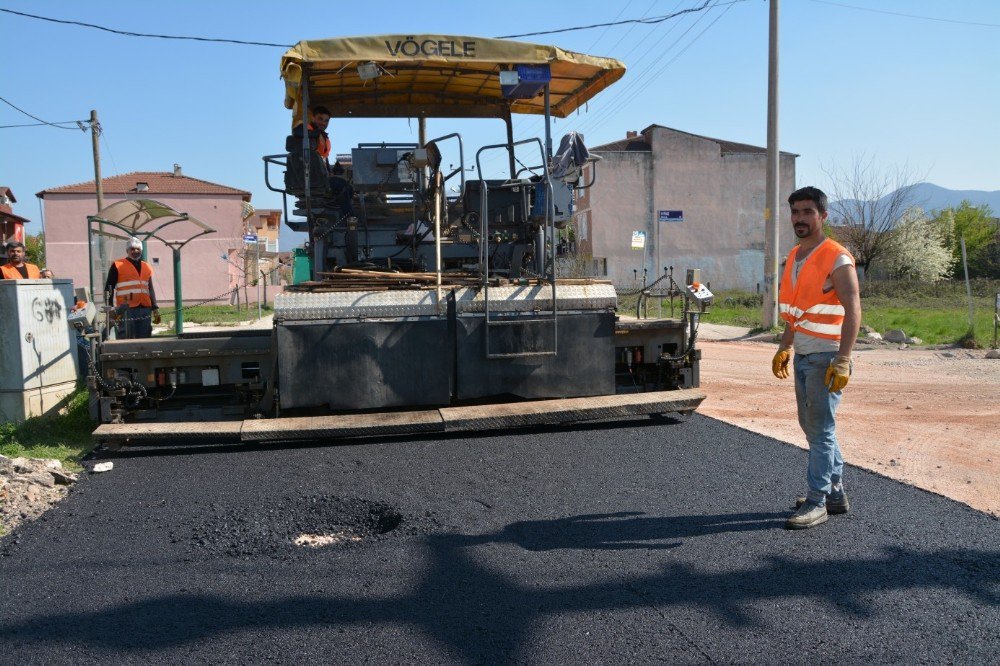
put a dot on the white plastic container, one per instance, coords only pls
(38, 359)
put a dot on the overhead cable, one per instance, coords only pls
(647, 21)
(43, 122)
(143, 34)
(912, 16)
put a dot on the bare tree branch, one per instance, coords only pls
(867, 201)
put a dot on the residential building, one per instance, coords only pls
(264, 225)
(205, 263)
(11, 225)
(697, 202)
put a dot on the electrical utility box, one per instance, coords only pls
(38, 359)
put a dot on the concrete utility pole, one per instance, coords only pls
(771, 205)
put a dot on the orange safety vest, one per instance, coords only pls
(805, 306)
(322, 144)
(133, 287)
(10, 272)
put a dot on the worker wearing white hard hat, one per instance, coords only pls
(130, 282)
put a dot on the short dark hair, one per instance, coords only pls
(12, 244)
(810, 193)
(321, 109)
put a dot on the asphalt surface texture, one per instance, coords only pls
(633, 541)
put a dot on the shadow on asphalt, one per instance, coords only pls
(486, 615)
(624, 530)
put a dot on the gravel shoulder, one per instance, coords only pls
(925, 417)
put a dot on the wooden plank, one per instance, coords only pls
(347, 425)
(541, 412)
(160, 432)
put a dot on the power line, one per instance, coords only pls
(617, 16)
(107, 146)
(630, 91)
(913, 16)
(535, 123)
(42, 122)
(142, 34)
(649, 21)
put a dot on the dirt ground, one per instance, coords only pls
(929, 418)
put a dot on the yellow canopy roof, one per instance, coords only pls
(436, 76)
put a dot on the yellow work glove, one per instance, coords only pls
(779, 364)
(838, 373)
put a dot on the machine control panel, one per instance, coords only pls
(700, 293)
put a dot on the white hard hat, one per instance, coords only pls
(134, 242)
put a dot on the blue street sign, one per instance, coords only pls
(249, 238)
(671, 216)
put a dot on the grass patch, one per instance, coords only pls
(733, 308)
(936, 313)
(65, 437)
(216, 314)
(737, 308)
(934, 324)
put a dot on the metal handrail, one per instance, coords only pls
(484, 255)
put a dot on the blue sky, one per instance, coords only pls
(904, 90)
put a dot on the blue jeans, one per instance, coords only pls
(136, 323)
(817, 416)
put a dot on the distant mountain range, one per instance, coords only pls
(933, 197)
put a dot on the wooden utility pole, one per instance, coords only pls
(95, 132)
(770, 319)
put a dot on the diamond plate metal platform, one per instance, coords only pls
(300, 306)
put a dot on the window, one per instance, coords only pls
(156, 261)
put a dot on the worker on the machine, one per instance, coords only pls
(16, 267)
(130, 281)
(320, 120)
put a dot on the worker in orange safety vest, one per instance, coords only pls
(16, 267)
(819, 301)
(320, 120)
(130, 281)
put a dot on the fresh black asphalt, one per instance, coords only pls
(629, 542)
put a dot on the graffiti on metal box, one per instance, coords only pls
(46, 309)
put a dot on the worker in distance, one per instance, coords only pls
(16, 267)
(130, 282)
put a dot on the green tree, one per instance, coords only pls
(986, 261)
(34, 249)
(979, 228)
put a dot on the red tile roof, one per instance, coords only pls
(4, 215)
(630, 145)
(159, 182)
(641, 143)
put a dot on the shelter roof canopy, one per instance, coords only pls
(436, 76)
(147, 217)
